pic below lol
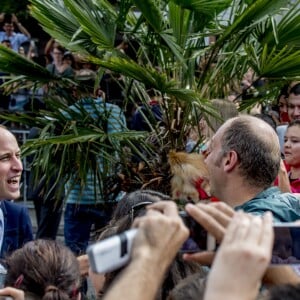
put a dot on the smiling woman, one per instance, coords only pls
(15, 224)
(292, 154)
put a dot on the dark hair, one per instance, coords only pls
(122, 221)
(259, 156)
(60, 49)
(295, 89)
(69, 55)
(190, 288)
(45, 268)
(7, 19)
(283, 92)
(6, 41)
(286, 292)
(129, 200)
(294, 123)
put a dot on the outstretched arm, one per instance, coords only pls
(20, 26)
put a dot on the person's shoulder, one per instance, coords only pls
(20, 35)
(285, 207)
(280, 129)
(290, 198)
(11, 206)
(274, 196)
(113, 108)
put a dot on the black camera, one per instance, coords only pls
(199, 239)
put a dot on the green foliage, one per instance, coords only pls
(172, 56)
(9, 7)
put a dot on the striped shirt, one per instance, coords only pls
(111, 120)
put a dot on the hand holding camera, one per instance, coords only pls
(161, 231)
(156, 236)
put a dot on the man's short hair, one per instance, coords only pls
(258, 153)
(295, 122)
(295, 89)
(285, 291)
(6, 41)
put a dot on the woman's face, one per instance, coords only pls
(292, 146)
(283, 109)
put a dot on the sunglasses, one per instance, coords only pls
(136, 209)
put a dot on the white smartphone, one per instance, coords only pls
(286, 249)
(111, 253)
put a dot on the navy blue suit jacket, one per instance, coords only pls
(17, 227)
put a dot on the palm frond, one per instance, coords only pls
(12, 62)
(100, 25)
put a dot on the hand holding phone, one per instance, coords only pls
(111, 253)
(199, 239)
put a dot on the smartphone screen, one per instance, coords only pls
(286, 249)
(199, 240)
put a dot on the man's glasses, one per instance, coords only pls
(136, 208)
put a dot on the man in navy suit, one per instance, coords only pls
(15, 224)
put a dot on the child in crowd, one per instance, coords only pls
(43, 269)
(289, 175)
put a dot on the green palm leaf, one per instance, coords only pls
(100, 25)
(205, 7)
(152, 11)
(256, 12)
(12, 62)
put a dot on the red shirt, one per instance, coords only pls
(294, 183)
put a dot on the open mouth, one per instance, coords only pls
(14, 180)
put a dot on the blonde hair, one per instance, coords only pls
(226, 110)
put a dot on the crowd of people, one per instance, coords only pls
(58, 60)
(241, 176)
(252, 173)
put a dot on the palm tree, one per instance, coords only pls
(172, 56)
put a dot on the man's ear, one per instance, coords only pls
(231, 160)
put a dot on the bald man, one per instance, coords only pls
(243, 161)
(15, 224)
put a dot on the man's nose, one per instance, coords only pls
(17, 164)
(297, 111)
